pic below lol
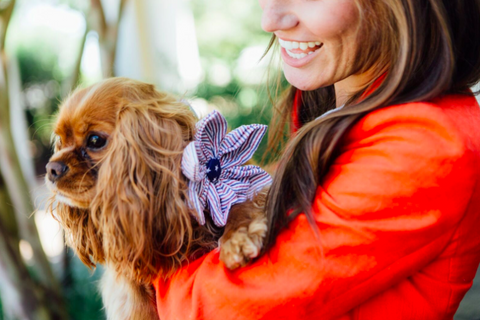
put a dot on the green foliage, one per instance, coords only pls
(46, 58)
(1, 310)
(42, 90)
(225, 31)
(83, 298)
(225, 28)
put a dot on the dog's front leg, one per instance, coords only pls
(245, 232)
(124, 299)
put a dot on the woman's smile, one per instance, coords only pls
(299, 49)
(298, 53)
(318, 39)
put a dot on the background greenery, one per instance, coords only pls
(230, 44)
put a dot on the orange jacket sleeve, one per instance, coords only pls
(388, 206)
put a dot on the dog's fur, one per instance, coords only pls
(125, 204)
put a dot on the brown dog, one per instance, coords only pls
(122, 198)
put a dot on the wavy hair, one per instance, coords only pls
(422, 48)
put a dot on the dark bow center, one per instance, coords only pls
(214, 170)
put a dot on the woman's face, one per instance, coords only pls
(317, 39)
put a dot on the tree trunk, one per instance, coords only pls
(25, 298)
(107, 35)
(29, 297)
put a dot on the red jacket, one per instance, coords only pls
(399, 214)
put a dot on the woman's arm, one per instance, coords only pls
(388, 207)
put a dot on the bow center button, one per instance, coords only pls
(214, 170)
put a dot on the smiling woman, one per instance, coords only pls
(317, 38)
(373, 207)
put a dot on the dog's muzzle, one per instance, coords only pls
(56, 170)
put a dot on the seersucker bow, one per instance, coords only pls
(213, 165)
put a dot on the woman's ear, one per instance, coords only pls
(140, 207)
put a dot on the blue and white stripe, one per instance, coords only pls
(236, 183)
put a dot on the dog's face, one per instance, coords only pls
(116, 175)
(83, 133)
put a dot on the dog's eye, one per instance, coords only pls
(96, 142)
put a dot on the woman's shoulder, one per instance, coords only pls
(452, 119)
(447, 109)
(408, 159)
(410, 147)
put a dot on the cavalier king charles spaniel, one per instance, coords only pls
(122, 199)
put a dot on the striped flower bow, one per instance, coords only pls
(213, 165)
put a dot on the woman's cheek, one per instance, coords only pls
(330, 22)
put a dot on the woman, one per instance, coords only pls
(375, 206)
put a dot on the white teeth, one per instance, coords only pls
(298, 55)
(285, 44)
(289, 45)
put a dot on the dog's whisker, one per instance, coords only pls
(40, 128)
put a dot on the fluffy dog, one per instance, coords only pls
(122, 198)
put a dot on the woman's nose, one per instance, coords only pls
(277, 15)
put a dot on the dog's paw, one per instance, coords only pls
(239, 246)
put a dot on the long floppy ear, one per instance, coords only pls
(80, 232)
(140, 206)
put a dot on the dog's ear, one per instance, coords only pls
(80, 233)
(140, 207)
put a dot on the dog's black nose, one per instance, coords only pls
(56, 170)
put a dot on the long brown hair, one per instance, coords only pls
(424, 48)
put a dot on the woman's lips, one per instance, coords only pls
(298, 53)
(300, 59)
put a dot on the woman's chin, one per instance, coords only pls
(303, 79)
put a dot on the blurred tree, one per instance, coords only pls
(25, 296)
(40, 76)
(36, 294)
(107, 33)
(108, 38)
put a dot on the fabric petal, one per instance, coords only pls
(211, 130)
(195, 202)
(240, 172)
(192, 167)
(227, 198)
(241, 188)
(254, 176)
(215, 206)
(240, 144)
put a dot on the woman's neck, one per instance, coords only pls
(346, 88)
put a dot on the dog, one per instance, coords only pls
(119, 193)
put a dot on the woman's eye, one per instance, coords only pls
(96, 142)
